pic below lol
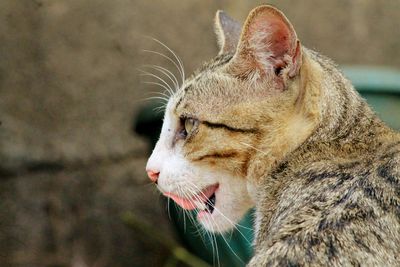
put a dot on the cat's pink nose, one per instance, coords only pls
(153, 176)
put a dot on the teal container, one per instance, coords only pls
(379, 86)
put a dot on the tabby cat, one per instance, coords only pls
(273, 125)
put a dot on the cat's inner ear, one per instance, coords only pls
(268, 44)
(228, 32)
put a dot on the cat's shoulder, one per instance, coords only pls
(338, 212)
(343, 219)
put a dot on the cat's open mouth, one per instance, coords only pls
(204, 200)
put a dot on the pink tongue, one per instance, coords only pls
(189, 204)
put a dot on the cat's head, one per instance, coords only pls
(232, 120)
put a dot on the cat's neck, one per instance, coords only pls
(330, 120)
(347, 125)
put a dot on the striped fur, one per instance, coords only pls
(321, 168)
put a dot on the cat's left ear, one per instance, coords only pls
(228, 32)
(268, 46)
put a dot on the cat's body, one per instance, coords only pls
(335, 200)
(274, 125)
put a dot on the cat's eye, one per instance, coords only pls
(189, 125)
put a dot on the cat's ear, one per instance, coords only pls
(228, 32)
(268, 45)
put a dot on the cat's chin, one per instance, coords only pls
(217, 222)
(214, 222)
(228, 211)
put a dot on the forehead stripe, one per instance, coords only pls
(178, 103)
(218, 61)
(180, 99)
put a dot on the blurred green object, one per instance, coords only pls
(230, 249)
(379, 86)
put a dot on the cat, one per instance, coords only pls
(273, 125)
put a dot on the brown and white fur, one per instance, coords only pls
(277, 126)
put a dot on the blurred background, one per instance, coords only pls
(71, 158)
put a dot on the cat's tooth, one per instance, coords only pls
(201, 205)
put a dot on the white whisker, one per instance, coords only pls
(176, 57)
(157, 97)
(211, 236)
(160, 109)
(161, 85)
(248, 145)
(158, 93)
(222, 235)
(167, 73)
(146, 73)
(229, 246)
(169, 213)
(169, 59)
